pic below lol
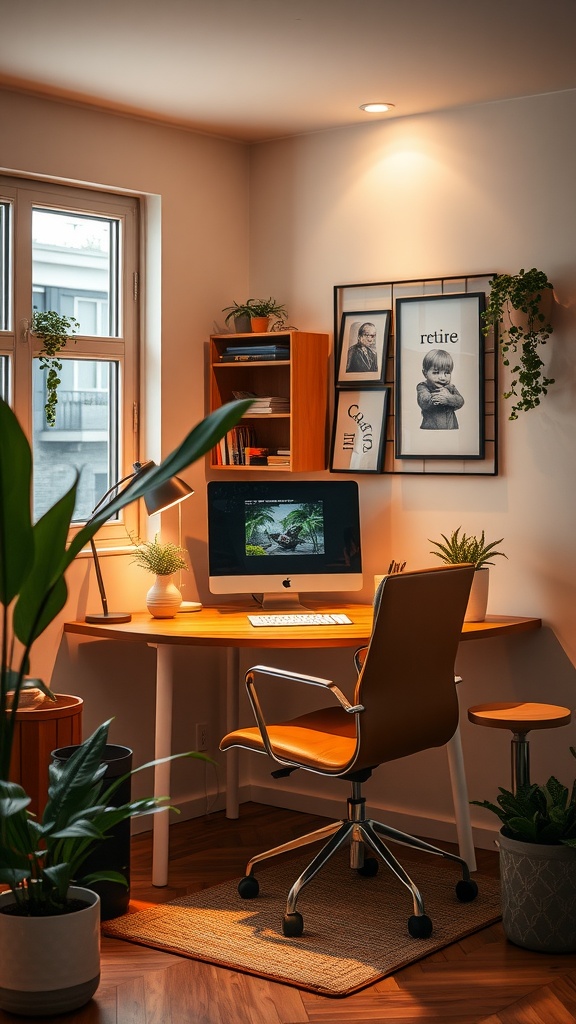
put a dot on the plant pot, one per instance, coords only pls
(163, 599)
(114, 853)
(478, 600)
(538, 895)
(259, 324)
(49, 965)
(242, 324)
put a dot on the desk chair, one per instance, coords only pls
(405, 701)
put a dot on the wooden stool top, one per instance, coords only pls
(519, 716)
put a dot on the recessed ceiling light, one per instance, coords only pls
(376, 108)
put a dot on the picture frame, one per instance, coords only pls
(363, 347)
(359, 430)
(439, 357)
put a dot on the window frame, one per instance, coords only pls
(21, 346)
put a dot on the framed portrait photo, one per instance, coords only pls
(363, 347)
(440, 377)
(359, 430)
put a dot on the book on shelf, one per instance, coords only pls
(263, 403)
(256, 456)
(249, 350)
(252, 357)
(231, 448)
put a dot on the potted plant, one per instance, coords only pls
(163, 599)
(54, 329)
(537, 844)
(259, 312)
(33, 562)
(463, 548)
(515, 312)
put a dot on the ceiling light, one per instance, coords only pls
(376, 108)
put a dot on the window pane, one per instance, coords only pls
(5, 275)
(75, 269)
(84, 437)
(5, 378)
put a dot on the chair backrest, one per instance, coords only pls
(407, 680)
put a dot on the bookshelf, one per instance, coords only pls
(292, 365)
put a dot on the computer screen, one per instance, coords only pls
(283, 538)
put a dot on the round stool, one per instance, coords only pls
(520, 718)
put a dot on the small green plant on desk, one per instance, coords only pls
(460, 548)
(161, 559)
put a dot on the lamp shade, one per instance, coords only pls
(172, 492)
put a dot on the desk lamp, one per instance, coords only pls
(157, 499)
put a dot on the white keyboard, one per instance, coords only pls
(333, 619)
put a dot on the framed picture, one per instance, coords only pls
(359, 429)
(440, 377)
(363, 347)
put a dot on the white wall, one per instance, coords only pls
(471, 191)
(489, 188)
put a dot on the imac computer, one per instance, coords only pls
(283, 538)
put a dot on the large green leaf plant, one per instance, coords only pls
(38, 859)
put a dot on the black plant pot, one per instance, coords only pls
(113, 854)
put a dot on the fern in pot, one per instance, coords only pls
(164, 598)
(537, 846)
(460, 547)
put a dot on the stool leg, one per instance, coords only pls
(520, 761)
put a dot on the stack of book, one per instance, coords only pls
(280, 458)
(264, 404)
(254, 353)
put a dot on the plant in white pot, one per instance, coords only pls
(38, 859)
(460, 548)
(537, 845)
(163, 599)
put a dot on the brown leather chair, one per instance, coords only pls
(404, 701)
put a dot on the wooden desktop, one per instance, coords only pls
(228, 626)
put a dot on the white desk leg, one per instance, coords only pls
(162, 748)
(460, 798)
(232, 705)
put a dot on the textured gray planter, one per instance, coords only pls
(538, 895)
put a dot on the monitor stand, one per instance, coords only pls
(289, 602)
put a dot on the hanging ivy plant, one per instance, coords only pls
(522, 292)
(54, 330)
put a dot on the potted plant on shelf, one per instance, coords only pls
(537, 845)
(54, 329)
(462, 548)
(258, 311)
(38, 859)
(163, 599)
(515, 311)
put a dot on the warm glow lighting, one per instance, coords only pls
(376, 108)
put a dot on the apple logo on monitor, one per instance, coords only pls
(287, 583)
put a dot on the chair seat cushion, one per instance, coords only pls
(324, 739)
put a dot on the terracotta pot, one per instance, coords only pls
(163, 599)
(538, 895)
(478, 600)
(49, 965)
(259, 324)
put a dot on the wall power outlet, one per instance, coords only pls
(202, 738)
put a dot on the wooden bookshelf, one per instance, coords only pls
(302, 378)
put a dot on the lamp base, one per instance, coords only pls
(190, 606)
(111, 618)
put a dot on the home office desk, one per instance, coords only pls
(228, 627)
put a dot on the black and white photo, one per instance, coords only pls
(363, 345)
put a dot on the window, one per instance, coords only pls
(73, 251)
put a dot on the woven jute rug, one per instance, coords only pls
(355, 929)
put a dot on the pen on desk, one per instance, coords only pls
(402, 567)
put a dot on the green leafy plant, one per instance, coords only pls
(162, 559)
(522, 292)
(461, 548)
(55, 330)
(255, 307)
(38, 859)
(537, 814)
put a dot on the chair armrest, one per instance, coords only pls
(265, 670)
(359, 658)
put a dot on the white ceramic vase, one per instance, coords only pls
(49, 965)
(478, 600)
(163, 599)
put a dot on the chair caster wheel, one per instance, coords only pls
(248, 887)
(369, 868)
(466, 890)
(292, 925)
(420, 927)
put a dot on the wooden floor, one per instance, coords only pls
(482, 980)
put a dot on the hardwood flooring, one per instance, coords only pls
(483, 979)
